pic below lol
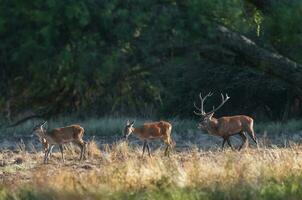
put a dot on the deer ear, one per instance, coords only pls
(128, 123)
(132, 123)
(44, 124)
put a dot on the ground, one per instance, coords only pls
(119, 171)
(114, 169)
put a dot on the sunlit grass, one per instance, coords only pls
(120, 171)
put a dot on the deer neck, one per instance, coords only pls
(40, 134)
(212, 126)
(44, 134)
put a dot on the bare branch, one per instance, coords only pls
(24, 120)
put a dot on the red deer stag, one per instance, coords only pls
(155, 130)
(225, 126)
(60, 136)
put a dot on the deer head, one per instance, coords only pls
(128, 129)
(207, 116)
(39, 130)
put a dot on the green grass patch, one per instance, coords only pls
(289, 188)
(291, 126)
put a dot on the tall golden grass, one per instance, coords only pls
(122, 168)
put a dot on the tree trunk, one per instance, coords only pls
(271, 63)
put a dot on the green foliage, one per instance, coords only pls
(283, 30)
(289, 188)
(138, 57)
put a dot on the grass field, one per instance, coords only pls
(120, 172)
(197, 169)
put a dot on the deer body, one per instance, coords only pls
(64, 135)
(149, 131)
(230, 125)
(226, 126)
(153, 130)
(60, 136)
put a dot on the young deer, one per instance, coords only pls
(225, 126)
(155, 130)
(60, 136)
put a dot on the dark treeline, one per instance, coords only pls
(136, 57)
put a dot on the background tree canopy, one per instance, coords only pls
(135, 57)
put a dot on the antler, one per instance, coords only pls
(224, 99)
(202, 99)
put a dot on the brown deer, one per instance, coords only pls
(60, 136)
(225, 126)
(155, 130)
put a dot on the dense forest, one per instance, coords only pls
(150, 58)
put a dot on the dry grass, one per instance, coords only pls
(122, 168)
(119, 171)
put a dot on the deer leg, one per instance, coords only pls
(148, 148)
(62, 152)
(168, 142)
(167, 151)
(244, 140)
(229, 143)
(50, 152)
(46, 148)
(85, 149)
(223, 142)
(82, 151)
(46, 155)
(251, 133)
(144, 147)
(82, 146)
